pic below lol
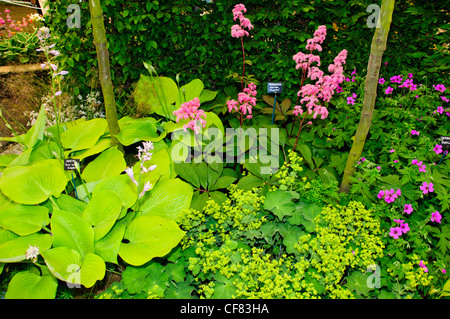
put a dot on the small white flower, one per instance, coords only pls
(32, 253)
(147, 187)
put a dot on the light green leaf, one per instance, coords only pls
(30, 285)
(102, 212)
(108, 163)
(15, 250)
(101, 145)
(68, 265)
(122, 186)
(36, 132)
(108, 246)
(280, 203)
(70, 230)
(24, 220)
(135, 130)
(156, 94)
(84, 135)
(35, 183)
(148, 237)
(168, 199)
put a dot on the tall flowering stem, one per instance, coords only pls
(324, 87)
(238, 31)
(43, 35)
(379, 43)
(246, 99)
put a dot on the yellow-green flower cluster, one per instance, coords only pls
(287, 175)
(346, 237)
(115, 294)
(414, 274)
(240, 212)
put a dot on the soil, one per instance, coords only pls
(20, 93)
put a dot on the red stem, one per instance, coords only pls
(243, 66)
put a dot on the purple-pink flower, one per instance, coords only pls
(388, 90)
(427, 187)
(438, 149)
(395, 232)
(414, 132)
(408, 209)
(439, 87)
(436, 217)
(381, 81)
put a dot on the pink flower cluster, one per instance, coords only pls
(237, 30)
(389, 195)
(397, 231)
(190, 110)
(325, 86)
(439, 87)
(422, 167)
(246, 101)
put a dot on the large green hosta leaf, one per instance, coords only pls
(102, 212)
(148, 237)
(135, 130)
(168, 199)
(69, 265)
(15, 250)
(84, 135)
(156, 94)
(70, 230)
(108, 163)
(24, 220)
(31, 285)
(122, 186)
(35, 183)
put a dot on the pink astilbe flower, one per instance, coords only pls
(427, 188)
(190, 110)
(237, 30)
(246, 101)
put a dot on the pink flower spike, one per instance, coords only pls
(408, 209)
(395, 232)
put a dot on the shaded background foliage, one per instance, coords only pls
(192, 38)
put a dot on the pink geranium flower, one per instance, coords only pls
(395, 232)
(438, 149)
(408, 209)
(436, 217)
(427, 188)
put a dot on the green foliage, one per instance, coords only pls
(21, 47)
(193, 39)
(72, 223)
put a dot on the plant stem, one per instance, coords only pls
(299, 130)
(243, 66)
